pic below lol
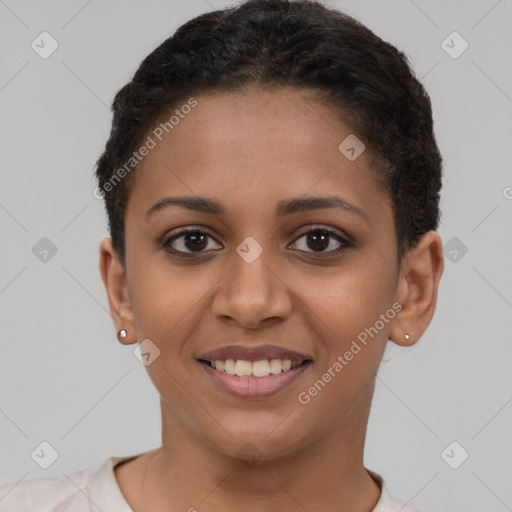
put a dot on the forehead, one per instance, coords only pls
(255, 146)
(286, 121)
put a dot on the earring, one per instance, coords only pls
(122, 335)
(408, 335)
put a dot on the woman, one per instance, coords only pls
(272, 183)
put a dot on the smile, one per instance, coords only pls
(254, 379)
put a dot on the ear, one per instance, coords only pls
(420, 272)
(114, 279)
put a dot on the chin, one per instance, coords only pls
(253, 444)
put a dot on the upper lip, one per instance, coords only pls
(259, 353)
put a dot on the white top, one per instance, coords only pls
(97, 489)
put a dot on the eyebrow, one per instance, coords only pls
(284, 207)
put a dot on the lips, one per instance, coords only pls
(254, 372)
(240, 352)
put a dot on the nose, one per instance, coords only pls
(252, 295)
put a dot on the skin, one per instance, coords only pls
(249, 150)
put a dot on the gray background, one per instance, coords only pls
(65, 379)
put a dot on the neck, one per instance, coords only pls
(188, 473)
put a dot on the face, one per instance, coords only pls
(263, 272)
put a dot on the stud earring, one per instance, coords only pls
(408, 335)
(122, 335)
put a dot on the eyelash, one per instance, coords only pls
(345, 242)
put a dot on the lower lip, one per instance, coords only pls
(255, 387)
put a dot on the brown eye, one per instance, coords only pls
(188, 241)
(319, 240)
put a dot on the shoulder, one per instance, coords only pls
(45, 494)
(81, 491)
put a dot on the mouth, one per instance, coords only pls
(257, 372)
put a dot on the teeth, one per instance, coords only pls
(275, 366)
(243, 368)
(229, 366)
(262, 368)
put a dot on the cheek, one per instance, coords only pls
(353, 336)
(167, 303)
(167, 300)
(352, 299)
